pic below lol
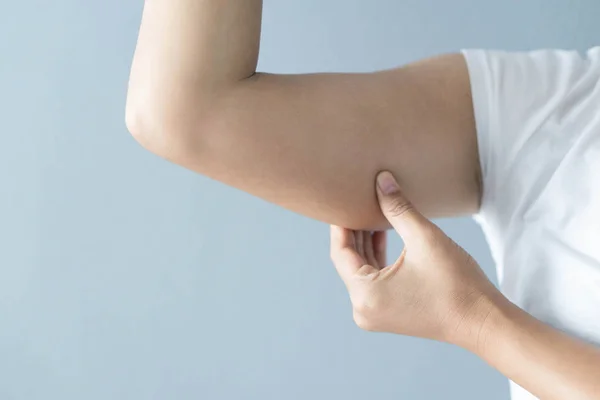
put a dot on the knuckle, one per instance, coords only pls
(366, 311)
(363, 323)
(398, 207)
(363, 308)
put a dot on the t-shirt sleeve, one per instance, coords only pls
(518, 98)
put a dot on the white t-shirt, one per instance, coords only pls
(538, 124)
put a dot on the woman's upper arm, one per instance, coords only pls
(314, 143)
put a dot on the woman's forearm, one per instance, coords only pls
(187, 51)
(541, 359)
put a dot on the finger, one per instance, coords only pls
(380, 248)
(341, 238)
(360, 243)
(346, 260)
(398, 210)
(369, 251)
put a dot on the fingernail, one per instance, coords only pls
(387, 183)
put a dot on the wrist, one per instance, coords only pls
(478, 327)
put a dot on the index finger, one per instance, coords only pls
(346, 260)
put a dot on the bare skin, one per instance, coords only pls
(436, 290)
(314, 143)
(310, 143)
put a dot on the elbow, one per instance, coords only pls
(164, 131)
(137, 125)
(172, 120)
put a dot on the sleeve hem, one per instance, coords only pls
(481, 88)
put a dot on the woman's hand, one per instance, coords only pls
(434, 290)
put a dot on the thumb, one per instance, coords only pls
(399, 211)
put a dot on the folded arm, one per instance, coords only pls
(311, 143)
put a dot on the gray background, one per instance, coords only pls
(125, 277)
